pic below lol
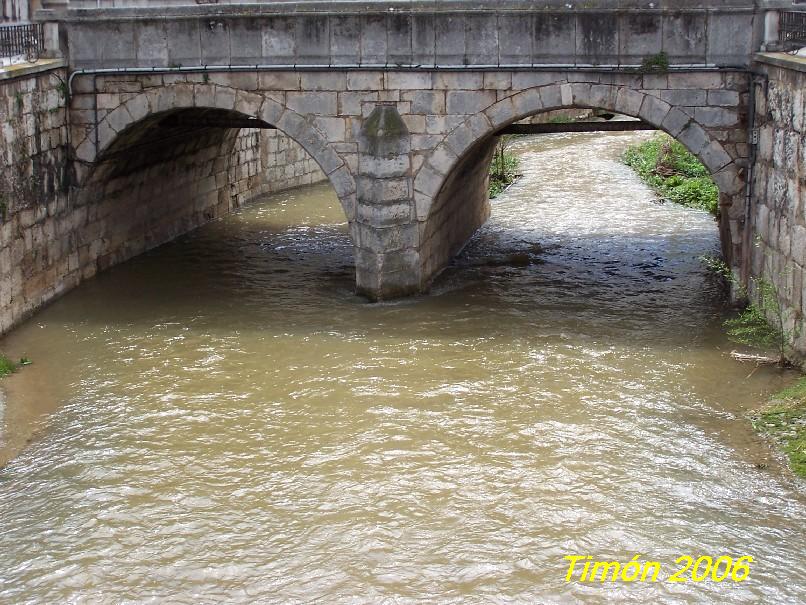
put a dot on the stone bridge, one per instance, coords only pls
(161, 120)
(399, 103)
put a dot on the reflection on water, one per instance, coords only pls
(234, 425)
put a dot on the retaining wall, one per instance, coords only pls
(778, 216)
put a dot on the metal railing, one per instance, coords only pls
(25, 40)
(792, 28)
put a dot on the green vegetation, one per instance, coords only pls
(667, 167)
(62, 88)
(658, 62)
(6, 366)
(760, 324)
(562, 119)
(9, 367)
(503, 169)
(784, 421)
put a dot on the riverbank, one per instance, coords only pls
(504, 169)
(783, 421)
(674, 173)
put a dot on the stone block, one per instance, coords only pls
(526, 103)
(381, 167)
(714, 156)
(415, 123)
(373, 40)
(481, 43)
(684, 97)
(654, 110)
(629, 102)
(503, 112)
(497, 81)
(185, 46)
(684, 37)
(640, 36)
(248, 103)
(715, 116)
(399, 39)
(279, 41)
(350, 103)
(119, 119)
(465, 102)
(385, 215)
(450, 39)
(730, 41)
(675, 121)
(515, 39)
(117, 44)
(726, 98)
(333, 128)
(402, 80)
(215, 44)
(597, 38)
(224, 98)
(318, 104)
(312, 38)
(423, 39)
(271, 111)
(728, 180)
(530, 79)
(345, 39)
(365, 80)
(551, 96)
(698, 80)
(694, 138)
(344, 184)
(246, 41)
(322, 80)
(279, 80)
(554, 37)
(428, 181)
(383, 190)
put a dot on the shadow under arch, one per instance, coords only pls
(174, 158)
(465, 151)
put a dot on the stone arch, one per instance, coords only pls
(469, 137)
(170, 159)
(208, 96)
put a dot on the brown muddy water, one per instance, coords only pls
(223, 420)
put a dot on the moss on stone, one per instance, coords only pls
(384, 132)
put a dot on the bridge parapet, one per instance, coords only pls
(413, 34)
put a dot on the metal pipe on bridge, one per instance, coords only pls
(549, 128)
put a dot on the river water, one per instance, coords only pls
(223, 420)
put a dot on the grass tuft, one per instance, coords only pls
(784, 421)
(6, 366)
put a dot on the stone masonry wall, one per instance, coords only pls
(285, 164)
(462, 206)
(778, 219)
(37, 257)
